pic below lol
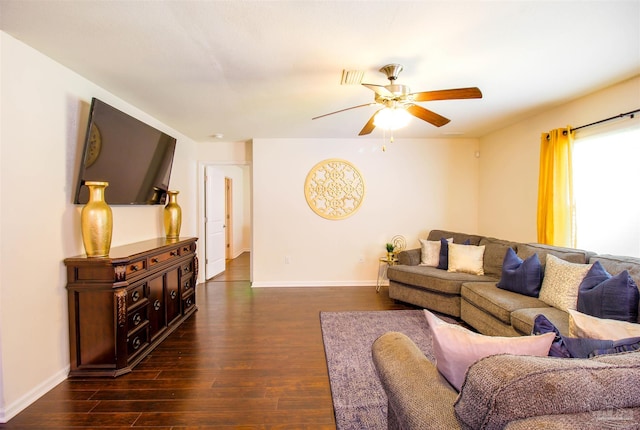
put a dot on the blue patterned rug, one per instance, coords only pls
(359, 401)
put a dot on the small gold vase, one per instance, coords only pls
(172, 216)
(96, 220)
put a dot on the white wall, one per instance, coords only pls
(415, 186)
(510, 159)
(44, 114)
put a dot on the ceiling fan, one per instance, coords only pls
(395, 96)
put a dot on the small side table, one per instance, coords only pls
(383, 265)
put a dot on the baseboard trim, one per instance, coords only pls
(40, 390)
(311, 284)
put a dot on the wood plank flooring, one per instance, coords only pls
(248, 359)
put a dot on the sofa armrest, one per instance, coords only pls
(409, 257)
(497, 387)
(417, 393)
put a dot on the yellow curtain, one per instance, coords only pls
(556, 209)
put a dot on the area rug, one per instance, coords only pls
(359, 400)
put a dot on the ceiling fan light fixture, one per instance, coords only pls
(391, 118)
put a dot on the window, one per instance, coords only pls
(606, 168)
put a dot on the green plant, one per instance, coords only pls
(390, 247)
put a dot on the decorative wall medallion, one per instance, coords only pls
(334, 189)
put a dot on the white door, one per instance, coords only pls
(214, 222)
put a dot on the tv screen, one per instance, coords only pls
(133, 157)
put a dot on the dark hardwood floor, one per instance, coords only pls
(248, 359)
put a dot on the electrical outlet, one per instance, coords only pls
(287, 259)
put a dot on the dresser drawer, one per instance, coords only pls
(161, 258)
(186, 268)
(137, 342)
(187, 286)
(136, 295)
(188, 302)
(136, 267)
(137, 318)
(186, 249)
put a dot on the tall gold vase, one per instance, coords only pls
(172, 216)
(96, 220)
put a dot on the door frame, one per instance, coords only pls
(201, 211)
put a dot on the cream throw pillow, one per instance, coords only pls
(583, 325)
(466, 258)
(561, 282)
(430, 252)
(456, 348)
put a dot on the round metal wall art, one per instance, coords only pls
(334, 189)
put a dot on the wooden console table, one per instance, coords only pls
(124, 305)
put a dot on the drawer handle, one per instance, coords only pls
(173, 253)
(134, 268)
(156, 305)
(154, 260)
(173, 294)
(135, 296)
(189, 302)
(187, 284)
(186, 268)
(137, 319)
(136, 343)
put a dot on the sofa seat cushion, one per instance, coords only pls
(495, 301)
(432, 278)
(523, 319)
(496, 387)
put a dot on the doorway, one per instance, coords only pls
(233, 198)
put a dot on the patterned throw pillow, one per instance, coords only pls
(561, 282)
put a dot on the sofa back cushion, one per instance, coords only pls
(503, 388)
(457, 237)
(568, 254)
(494, 252)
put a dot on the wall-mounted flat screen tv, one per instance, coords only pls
(132, 156)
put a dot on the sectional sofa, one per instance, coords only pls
(474, 298)
(568, 385)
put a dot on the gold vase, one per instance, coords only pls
(172, 216)
(96, 221)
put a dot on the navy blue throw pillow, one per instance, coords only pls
(604, 296)
(574, 347)
(443, 261)
(523, 277)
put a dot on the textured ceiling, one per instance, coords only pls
(250, 69)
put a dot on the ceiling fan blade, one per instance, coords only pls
(342, 110)
(380, 90)
(368, 127)
(427, 115)
(457, 93)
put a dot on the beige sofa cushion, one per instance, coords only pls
(522, 319)
(497, 302)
